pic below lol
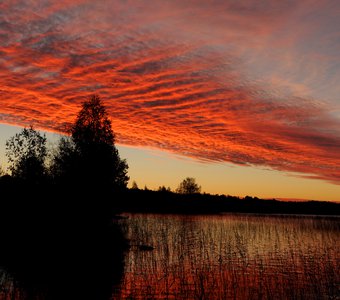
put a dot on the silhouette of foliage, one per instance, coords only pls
(164, 189)
(188, 186)
(64, 161)
(134, 185)
(26, 153)
(149, 201)
(2, 172)
(90, 155)
(92, 126)
(74, 225)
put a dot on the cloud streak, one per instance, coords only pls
(217, 81)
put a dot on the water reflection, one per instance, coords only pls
(232, 256)
(70, 267)
(185, 257)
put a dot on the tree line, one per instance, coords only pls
(188, 186)
(88, 156)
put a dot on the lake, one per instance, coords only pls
(231, 257)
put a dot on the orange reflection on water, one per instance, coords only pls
(232, 256)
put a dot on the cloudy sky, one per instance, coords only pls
(238, 86)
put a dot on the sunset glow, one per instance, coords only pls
(218, 82)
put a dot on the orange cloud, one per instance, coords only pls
(174, 76)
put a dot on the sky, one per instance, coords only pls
(241, 95)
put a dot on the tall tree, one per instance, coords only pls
(26, 153)
(64, 161)
(90, 155)
(188, 186)
(2, 172)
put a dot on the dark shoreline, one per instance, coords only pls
(147, 201)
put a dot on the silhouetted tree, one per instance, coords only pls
(26, 153)
(188, 186)
(2, 172)
(164, 189)
(90, 155)
(64, 161)
(134, 185)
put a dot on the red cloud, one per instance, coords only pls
(178, 90)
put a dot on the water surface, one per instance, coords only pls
(232, 257)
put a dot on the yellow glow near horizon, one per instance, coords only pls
(154, 168)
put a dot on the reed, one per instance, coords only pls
(232, 257)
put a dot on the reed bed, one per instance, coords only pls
(231, 257)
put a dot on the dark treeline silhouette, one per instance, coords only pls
(58, 237)
(188, 199)
(165, 201)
